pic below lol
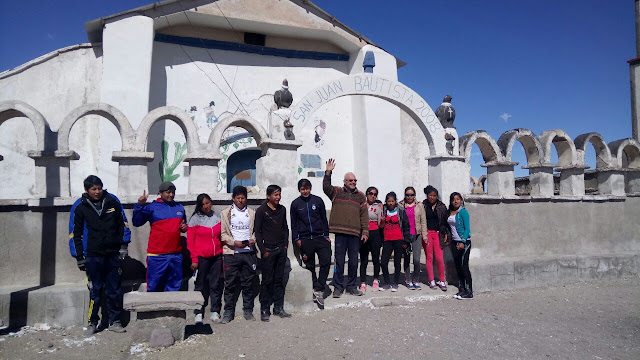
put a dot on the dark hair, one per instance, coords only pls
(391, 195)
(453, 194)
(199, 201)
(429, 189)
(239, 190)
(304, 183)
(410, 188)
(273, 188)
(371, 188)
(92, 180)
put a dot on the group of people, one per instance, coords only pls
(224, 247)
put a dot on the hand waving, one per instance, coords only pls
(331, 164)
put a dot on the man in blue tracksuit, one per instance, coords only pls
(310, 232)
(98, 238)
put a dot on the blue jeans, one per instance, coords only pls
(346, 244)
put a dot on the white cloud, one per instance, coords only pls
(505, 117)
(51, 36)
(476, 153)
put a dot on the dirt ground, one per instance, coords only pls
(592, 320)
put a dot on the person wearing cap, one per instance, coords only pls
(167, 219)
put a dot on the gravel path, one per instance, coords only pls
(593, 320)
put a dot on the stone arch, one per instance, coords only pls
(251, 125)
(488, 146)
(168, 113)
(631, 149)
(386, 89)
(567, 154)
(14, 108)
(530, 142)
(603, 153)
(111, 113)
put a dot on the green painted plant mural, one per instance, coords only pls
(166, 170)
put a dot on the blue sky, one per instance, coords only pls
(540, 65)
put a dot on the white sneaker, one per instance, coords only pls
(199, 319)
(363, 288)
(215, 317)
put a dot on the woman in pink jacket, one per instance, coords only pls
(205, 246)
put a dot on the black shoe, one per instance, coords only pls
(264, 315)
(327, 292)
(248, 315)
(337, 292)
(318, 298)
(459, 293)
(281, 313)
(355, 292)
(468, 295)
(227, 318)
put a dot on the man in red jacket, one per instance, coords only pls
(168, 220)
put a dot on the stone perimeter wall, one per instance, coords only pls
(516, 244)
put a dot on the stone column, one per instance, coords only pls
(132, 171)
(449, 174)
(500, 178)
(572, 180)
(611, 181)
(127, 45)
(541, 179)
(203, 173)
(632, 181)
(53, 176)
(278, 165)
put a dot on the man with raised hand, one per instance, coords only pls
(99, 238)
(350, 223)
(310, 232)
(167, 219)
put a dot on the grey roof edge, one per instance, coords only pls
(94, 27)
(46, 57)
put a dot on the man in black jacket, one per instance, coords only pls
(272, 238)
(99, 242)
(310, 232)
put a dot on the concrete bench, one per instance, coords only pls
(157, 310)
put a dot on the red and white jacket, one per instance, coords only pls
(203, 236)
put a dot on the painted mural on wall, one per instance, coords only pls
(227, 150)
(167, 168)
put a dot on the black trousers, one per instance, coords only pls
(308, 250)
(461, 259)
(395, 247)
(239, 274)
(103, 273)
(346, 244)
(373, 246)
(272, 285)
(210, 282)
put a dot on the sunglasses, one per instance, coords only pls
(372, 193)
(351, 180)
(409, 194)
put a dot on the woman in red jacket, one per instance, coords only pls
(205, 246)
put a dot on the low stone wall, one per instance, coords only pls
(517, 242)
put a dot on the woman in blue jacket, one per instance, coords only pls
(458, 221)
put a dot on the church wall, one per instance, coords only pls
(176, 81)
(54, 87)
(415, 150)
